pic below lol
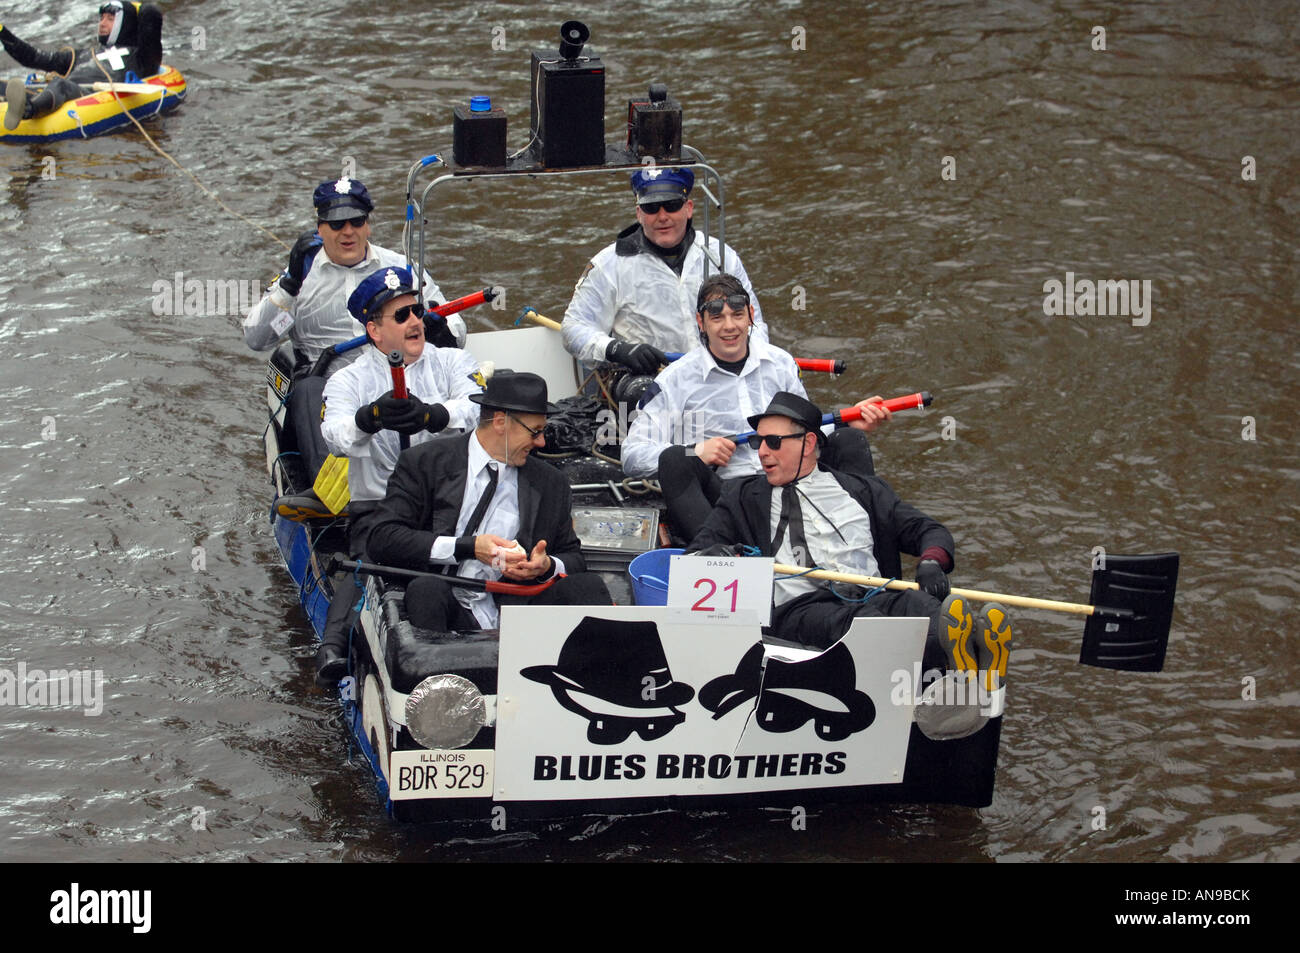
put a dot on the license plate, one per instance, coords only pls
(429, 774)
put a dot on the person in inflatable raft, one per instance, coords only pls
(130, 41)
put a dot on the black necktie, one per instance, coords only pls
(484, 501)
(793, 516)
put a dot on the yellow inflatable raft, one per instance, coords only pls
(101, 111)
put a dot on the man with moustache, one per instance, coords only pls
(366, 423)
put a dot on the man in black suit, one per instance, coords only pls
(839, 521)
(479, 505)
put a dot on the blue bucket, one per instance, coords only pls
(649, 574)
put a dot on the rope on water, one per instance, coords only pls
(162, 152)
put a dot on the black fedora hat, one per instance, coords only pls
(618, 662)
(831, 678)
(720, 695)
(799, 409)
(518, 391)
(784, 690)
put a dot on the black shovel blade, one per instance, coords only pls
(1134, 600)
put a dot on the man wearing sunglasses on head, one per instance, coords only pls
(680, 430)
(308, 302)
(805, 513)
(480, 505)
(364, 422)
(636, 298)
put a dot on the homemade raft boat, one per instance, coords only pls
(549, 715)
(613, 709)
(105, 110)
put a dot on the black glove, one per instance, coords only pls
(641, 358)
(719, 549)
(406, 415)
(932, 579)
(437, 333)
(430, 417)
(291, 280)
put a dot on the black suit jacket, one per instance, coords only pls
(743, 515)
(424, 497)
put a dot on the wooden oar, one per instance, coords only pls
(1131, 634)
(531, 315)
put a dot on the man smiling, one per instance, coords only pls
(308, 301)
(636, 298)
(804, 513)
(481, 506)
(680, 431)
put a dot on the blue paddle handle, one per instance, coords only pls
(349, 345)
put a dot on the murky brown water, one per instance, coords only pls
(130, 438)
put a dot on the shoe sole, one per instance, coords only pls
(994, 644)
(15, 95)
(958, 623)
(300, 513)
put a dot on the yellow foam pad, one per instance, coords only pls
(332, 483)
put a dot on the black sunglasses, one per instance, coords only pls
(615, 729)
(736, 302)
(534, 433)
(672, 206)
(406, 311)
(772, 440)
(354, 222)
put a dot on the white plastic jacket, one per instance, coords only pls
(441, 375)
(693, 399)
(629, 292)
(317, 317)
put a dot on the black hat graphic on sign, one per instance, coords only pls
(617, 665)
(720, 695)
(823, 689)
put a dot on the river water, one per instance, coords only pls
(914, 172)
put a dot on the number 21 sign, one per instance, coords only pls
(721, 585)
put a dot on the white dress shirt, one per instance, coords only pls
(824, 506)
(501, 519)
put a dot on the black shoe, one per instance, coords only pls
(331, 665)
